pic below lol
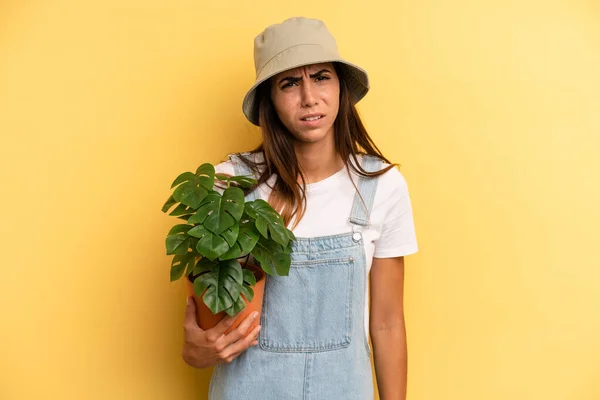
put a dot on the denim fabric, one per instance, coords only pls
(313, 344)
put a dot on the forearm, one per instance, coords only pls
(390, 356)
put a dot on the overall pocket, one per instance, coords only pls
(309, 310)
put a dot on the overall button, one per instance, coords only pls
(356, 236)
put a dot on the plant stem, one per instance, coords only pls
(246, 260)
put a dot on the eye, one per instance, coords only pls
(322, 78)
(287, 85)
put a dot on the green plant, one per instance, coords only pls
(221, 228)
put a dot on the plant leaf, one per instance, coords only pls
(234, 251)
(181, 209)
(290, 235)
(247, 292)
(222, 177)
(233, 288)
(246, 240)
(191, 263)
(231, 234)
(193, 188)
(289, 249)
(244, 181)
(209, 245)
(218, 213)
(168, 204)
(190, 193)
(184, 177)
(234, 269)
(248, 235)
(234, 200)
(268, 222)
(238, 306)
(180, 228)
(207, 207)
(200, 284)
(204, 265)
(177, 271)
(179, 263)
(249, 277)
(223, 285)
(206, 174)
(272, 257)
(279, 232)
(262, 226)
(177, 244)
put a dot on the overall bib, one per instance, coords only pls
(312, 344)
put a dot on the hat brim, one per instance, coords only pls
(298, 56)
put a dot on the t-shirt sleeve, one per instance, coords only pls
(398, 236)
(225, 167)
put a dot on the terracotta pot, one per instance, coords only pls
(206, 319)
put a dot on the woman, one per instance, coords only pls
(351, 213)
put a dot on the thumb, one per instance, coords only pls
(190, 312)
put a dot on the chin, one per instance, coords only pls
(312, 135)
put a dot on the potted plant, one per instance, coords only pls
(220, 229)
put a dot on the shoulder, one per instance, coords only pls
(225, 167)
(391, 179)
(228, 166)
(392, 190)
(255, 157)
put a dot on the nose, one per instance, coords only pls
(308, 95)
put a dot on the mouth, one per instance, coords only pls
(312, 117)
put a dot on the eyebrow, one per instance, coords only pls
(294, 79)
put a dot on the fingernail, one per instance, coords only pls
(254, 314)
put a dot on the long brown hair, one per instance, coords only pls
(288, 196)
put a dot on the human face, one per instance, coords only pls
(307, 101)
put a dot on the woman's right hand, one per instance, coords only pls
(207, 348)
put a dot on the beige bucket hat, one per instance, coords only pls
(293, 43)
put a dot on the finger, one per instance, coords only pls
(241, 330)
(241, 345)
(224, 324)
(217, 332)
(251, 345)
(190, 321)
(233, 356)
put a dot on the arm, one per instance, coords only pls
(388, 333)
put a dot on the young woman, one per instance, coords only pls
(350, 210)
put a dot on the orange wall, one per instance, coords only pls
(491, 108)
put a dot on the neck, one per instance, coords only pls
(318, 160)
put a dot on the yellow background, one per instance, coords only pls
(491, 107)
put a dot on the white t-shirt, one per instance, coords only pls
(328, 205)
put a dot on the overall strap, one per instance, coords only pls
(241, 168)
(363, 200)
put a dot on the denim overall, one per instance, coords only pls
(312, 344)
